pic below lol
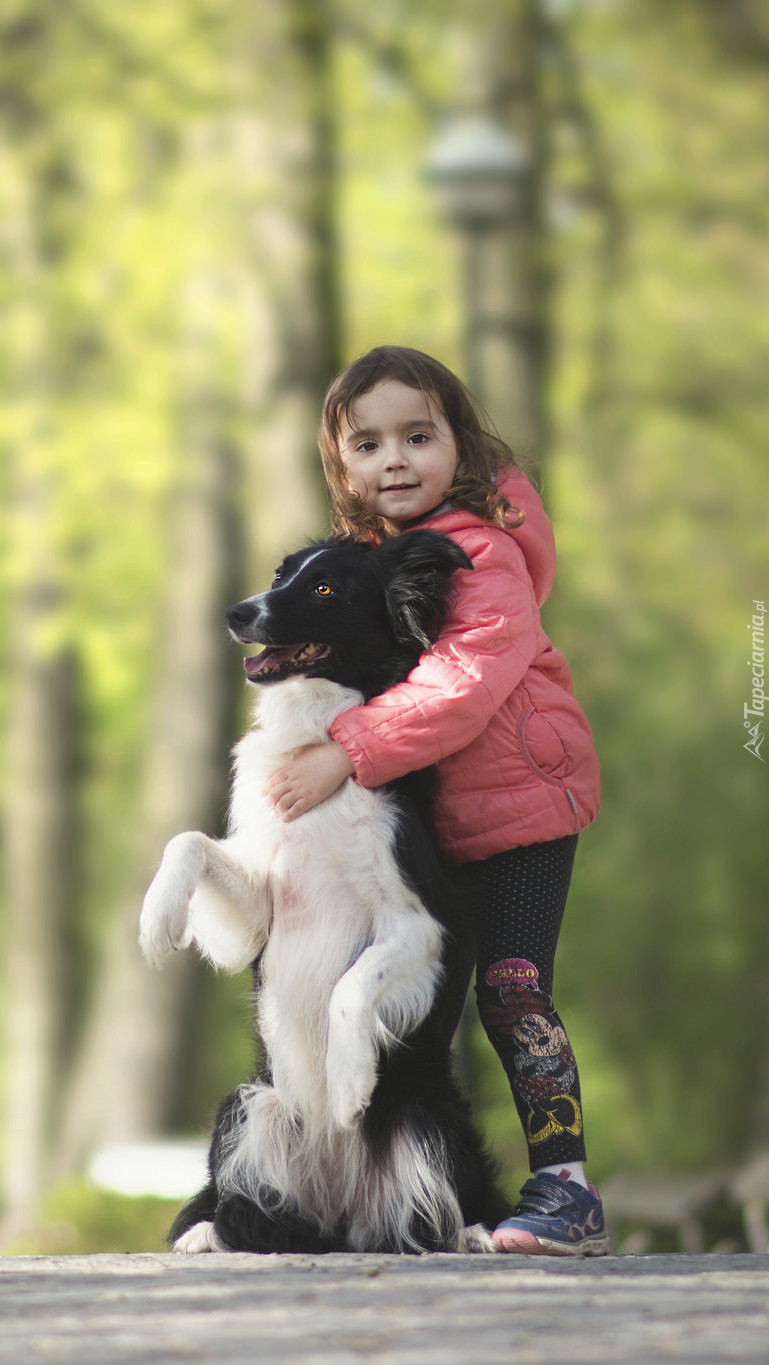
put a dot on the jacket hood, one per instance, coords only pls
(534, 537)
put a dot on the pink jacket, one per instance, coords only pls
(492, 703)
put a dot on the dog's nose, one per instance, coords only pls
(241, 614)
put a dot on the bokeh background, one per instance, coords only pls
(206, 208)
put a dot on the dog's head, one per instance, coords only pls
(353, 613)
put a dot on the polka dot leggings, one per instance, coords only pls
(520, 898)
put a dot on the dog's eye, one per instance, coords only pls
(277, 577)
(324, 590)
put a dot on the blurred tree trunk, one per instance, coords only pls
(122, 1085)
(278, 141)
(38, 798)
(506, 280)
(520, 100)
(285, 169)
(510, 276)
(38, 825)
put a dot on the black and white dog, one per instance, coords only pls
(353, 1135)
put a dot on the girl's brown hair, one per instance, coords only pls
(482, 452)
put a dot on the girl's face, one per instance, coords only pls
(398, 451)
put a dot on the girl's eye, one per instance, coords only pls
(365, 447)
(324, 590)
(418, 438)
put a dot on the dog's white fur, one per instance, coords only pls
(351, 963)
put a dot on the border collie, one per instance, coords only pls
(353, 1135)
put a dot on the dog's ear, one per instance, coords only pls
(416, 570)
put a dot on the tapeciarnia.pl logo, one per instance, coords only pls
(753, 710)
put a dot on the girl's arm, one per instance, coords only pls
(491, 636)
(310, 775)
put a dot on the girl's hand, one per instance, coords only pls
(310, 774)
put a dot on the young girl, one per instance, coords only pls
(492, 705)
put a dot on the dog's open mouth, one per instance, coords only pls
(285, 661)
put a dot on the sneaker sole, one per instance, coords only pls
(592, 1246)
(543, 1246)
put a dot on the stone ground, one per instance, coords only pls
(346, 1309)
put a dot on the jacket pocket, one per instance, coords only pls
(547, 740)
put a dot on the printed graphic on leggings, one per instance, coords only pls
(545, 1070)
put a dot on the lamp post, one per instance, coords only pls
(480, 173)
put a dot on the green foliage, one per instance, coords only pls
(659, 497)
(79, 1220)
(121, 190)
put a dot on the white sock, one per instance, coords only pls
(573, 1170)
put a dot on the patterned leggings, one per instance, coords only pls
(520, 897)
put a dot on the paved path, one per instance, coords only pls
(383, 1310)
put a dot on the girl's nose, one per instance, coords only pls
(394, 458)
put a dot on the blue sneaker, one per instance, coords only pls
(555, 1217)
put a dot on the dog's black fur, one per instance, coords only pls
(373, 610)
(382, 607)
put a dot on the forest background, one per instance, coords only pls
(205, 209)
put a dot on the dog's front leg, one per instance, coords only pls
(379, 1000)
(231, 906)
(165, 912)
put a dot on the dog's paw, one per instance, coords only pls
(163, 922)
(166, 908)
(349, 1101)
(351, 1075)
(200, 1238)
(476, 1241)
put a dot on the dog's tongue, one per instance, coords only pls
(275, 657)
(270, 658)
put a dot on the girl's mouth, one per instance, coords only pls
(399, 487)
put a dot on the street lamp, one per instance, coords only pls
(476, 167)
(478, 170)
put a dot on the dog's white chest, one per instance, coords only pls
(331, 871)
